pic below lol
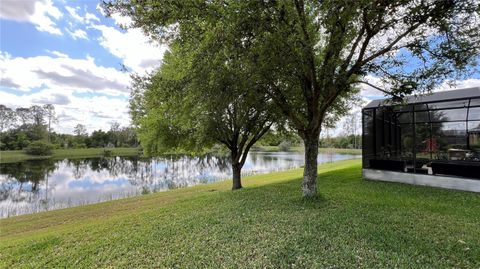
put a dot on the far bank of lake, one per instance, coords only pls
(13, 156)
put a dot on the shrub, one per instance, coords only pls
(39, 148)
(256, 147)
(80, 146)
(284, 146)
(107, 152)
(145, 190)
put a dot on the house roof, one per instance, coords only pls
(434, 97)
(475, 130)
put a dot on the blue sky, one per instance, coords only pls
(69, 54)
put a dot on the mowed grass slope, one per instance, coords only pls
(355, 223)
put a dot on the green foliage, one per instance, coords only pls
(274, 138)
(356, 223)
(33, 172)
(191, 104)
(342, 142)
(284, 146)
(23, 125)
(311, 56)
(13, 156)
(7, 117)
(21, 140)
(107, 152)
(198, 99)
(39, 148)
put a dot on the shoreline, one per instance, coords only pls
(185, 227)
(13, 156)
(301, 149)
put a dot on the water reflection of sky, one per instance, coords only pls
(45, 185)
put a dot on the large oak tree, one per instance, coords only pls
(194, 101)
(312, 54)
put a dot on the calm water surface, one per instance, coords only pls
(35, 186)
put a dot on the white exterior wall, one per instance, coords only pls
(456, 183)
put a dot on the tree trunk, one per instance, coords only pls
(309, 184)
(237, 182)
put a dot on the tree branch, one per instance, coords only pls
(280, 99)
(391, 45)
(252, 142)
(376, 88)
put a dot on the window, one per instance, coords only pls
(475, 102)
(449, 115)
(368, 137)
(418, 137)
(474, 136)
(422, 116)
(404, 118)
(449, 104)
(474, 113)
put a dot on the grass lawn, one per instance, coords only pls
(355, 223)
(20, 155)
(341, 151)
(301, 149)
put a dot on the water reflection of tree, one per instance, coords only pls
(254, 158)
(170, 171)
(29, 181)
(208, 161)
(79, 167)
(7, 186)
(166, 172)
(19, 175)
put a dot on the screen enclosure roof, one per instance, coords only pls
(431, 98)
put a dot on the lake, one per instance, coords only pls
(42, 185)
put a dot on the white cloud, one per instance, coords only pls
(73, 12)
(57, 53)
(84, 19)
(132, 46)
(53, 98)
(62, 73)
(94, 112)
(41, 13)
(100, 9)
(459, 84)
(368, 92)
(121, 20)
(81, 91)
(89, 17)
(78, 34)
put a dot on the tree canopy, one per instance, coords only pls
(24, 125)
(311, 56)
(192, 103)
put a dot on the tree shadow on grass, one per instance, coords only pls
(353, 219)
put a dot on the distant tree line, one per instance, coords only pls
(285, 141)
(342, 142)
(235, 65)
(22, 126)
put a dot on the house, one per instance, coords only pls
(431, 140)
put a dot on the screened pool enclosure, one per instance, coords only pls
(428, 140)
